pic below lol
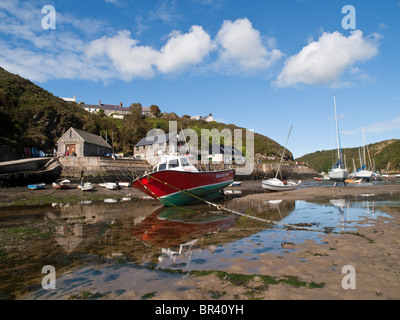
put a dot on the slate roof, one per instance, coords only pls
(157, 139)
(226, 149)
(89, 138)
(111, 107)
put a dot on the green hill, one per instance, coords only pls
(33, 117)
(380, 154)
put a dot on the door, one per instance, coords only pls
(70, 149)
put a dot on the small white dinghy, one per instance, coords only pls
(87, 186)
(275, 184)
(109, 185)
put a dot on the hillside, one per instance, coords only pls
(34, 117)
(31, 116)
(380, 153)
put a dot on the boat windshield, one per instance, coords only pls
(173, 163)
(161, 166)
(185, 162)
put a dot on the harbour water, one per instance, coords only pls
(135, 248)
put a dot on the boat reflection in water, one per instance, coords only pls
(175, 231)
(182, 234)
(173, 226)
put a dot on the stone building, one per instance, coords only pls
(75, 142)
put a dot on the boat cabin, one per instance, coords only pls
(178, 163)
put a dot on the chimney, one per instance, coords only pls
(99, 102)
(120, 104)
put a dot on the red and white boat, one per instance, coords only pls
(176, 182)
(62, 184)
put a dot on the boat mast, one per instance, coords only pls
(279, 167)
(365, 162)
(337, 134)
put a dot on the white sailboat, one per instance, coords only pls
(274, 184)
(363, 173)
(386, 175)
(338, 171)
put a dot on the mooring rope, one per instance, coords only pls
(221, 207)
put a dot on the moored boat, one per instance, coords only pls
(278, 185)
(36, 186)
(109, 185)
(124, 184)
(87, 186)
(175, 182)
(338, 171)
(352, 180)
(64, 184)
(363, 174)
(275, 184)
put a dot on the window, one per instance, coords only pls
(173, 163)
(185, 162)
(162, 166)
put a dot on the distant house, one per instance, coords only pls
(208, 118)
(82, 144)
(225, 154)
(70, 99)
(146, 111)
(154, 144)
(116, 110)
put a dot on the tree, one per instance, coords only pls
(134, 127)
(155, 110)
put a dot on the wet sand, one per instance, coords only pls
(251, 190)
(389, 190)
(373, 251)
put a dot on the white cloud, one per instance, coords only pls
(132, 60)
(390, 125)
(40, 55)
(90, 49)
(166, 11)
(184, 50)
(325, 60)
(128, 59)
(242, 46)
(114, 2)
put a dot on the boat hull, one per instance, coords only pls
(277, 185)
(177, 188)
(363, 174)
(36, 186)
(338, 174)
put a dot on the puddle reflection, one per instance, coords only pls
(142, 236)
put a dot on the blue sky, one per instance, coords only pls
(263, 65)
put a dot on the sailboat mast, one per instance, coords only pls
(337, 133)
(365, 162)
(279, 167)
